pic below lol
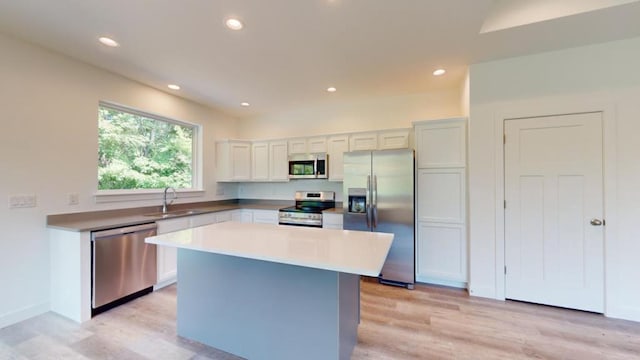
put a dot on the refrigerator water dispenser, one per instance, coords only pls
(357, 200)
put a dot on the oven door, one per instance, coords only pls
(302, 169)
(299, 219)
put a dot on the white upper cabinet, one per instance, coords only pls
(269, 160)
(317, 145)
(336, 147)
(252, 161)
(308, 145)
(260, 161)
(297, 146)
(233, 160)
(380, 140)
(363, 141)
(396, 139)
(441, 143)
(278, 161)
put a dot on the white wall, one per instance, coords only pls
(598, 77)
(48, 143)
(363, 115)
(465, 95)
(286, 190)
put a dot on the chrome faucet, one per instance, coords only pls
(164, 199)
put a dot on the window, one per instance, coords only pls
(137, 150)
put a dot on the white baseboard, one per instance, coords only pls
(428, 280)
(484, 292)
(25, 313)
(625, 313)
(164, 283)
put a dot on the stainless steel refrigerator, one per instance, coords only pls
(378, 196)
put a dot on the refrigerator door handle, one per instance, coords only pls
(374, 201)
(368, 201)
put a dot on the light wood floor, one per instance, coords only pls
(426, 323)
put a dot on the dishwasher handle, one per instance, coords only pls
(97, 235)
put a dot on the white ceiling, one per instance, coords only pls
(290, 51)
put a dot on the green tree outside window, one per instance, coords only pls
(143, 152)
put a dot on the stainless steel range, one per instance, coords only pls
(308, 208)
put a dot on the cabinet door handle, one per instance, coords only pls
(597, 222)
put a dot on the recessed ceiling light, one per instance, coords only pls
(244, 104)
(108, 41)
(173, 87)
(331, 89)
(234, 24)
(439, 72)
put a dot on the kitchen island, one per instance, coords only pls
(264, 291)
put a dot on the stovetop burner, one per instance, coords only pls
(312, 201)
(305, 209)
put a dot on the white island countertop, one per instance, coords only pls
(354, 252)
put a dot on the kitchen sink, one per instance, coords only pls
(175, 213)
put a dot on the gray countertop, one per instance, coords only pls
(336, 210)
(100, 220)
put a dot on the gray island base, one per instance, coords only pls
(266, 310)
(265, 291)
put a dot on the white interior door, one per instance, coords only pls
(554, 251)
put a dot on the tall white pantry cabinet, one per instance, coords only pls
(441, 219)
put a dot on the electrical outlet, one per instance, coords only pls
(22, 201)
(73, 199)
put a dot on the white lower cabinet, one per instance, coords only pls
(441, 254)
(265, 216)
(255, 216)
(441, 195)
(332, 221)
(243, 216)
(203, 219)
(167, 256)
(224, 216)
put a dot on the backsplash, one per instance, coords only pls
(286, 190)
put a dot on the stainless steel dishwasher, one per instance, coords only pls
(123, 265)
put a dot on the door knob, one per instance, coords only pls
(597, 222)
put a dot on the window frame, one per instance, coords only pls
(196, 189)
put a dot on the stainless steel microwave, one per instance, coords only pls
(314, 166)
